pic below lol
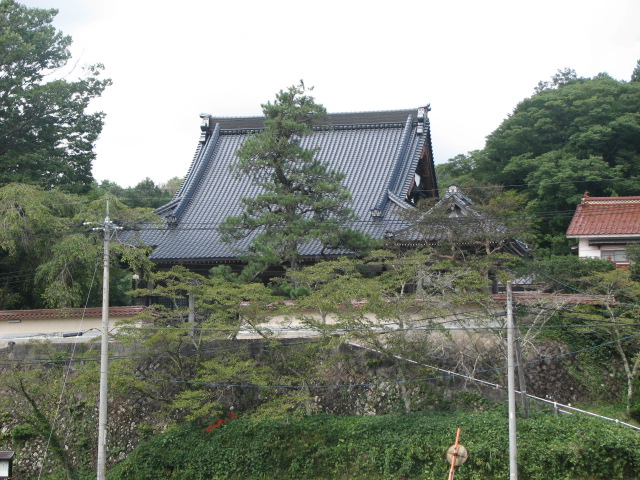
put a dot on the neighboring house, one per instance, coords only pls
(604, 226)
(386, 158)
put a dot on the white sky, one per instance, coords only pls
(472, 60)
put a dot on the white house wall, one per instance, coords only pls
(588, 251)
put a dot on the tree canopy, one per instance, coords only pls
(145, 193)
(301, 199)
(46, 133)
(47, 260)
(573, 135)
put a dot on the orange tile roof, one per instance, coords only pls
(606, 216)
(69, 313)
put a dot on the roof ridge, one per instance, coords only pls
(400, 161)
(351, 112)
(374, 117)
(602, 200)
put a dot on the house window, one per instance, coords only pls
(618, 255)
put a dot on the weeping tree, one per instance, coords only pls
(48, 260)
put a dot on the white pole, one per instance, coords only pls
(104, 354)
(511, 387)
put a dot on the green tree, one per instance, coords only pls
(620, 308)
(147, 194)
(67, 276)
(635, 76)
(565, 273)
(458, 170)
(573, 135)
(31, 220)
(107, 187)
(582, 135)
(219, 370)
(393, 304)
(171, 186)
(48, 260)
(46, 134)
(301, 199)
(38, 393)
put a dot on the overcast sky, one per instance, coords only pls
(472, 60)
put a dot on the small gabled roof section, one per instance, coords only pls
(606, 217)
(453, 219)
(451, 206)
(456, 203)
(385, 156)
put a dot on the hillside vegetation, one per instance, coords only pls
(387, 447)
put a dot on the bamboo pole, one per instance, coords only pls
(454, 457)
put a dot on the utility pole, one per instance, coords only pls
(106, 227)
(511, 387)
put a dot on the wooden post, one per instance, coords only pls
(454, 456)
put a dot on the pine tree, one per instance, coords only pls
(301, 199)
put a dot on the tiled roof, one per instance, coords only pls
(567, 298)
(378, 152)
(69, 313)
(606, 216)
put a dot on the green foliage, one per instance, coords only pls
(22, 433)
(574, 134)
(635, 76)
(47, 260)
(565, 140)
(37, 392)
(618, 311)
(633, 254)
(386, 447)
(301, 199)
(459, 171)
(30, 219)
(146, 194)
(566, 273)
(46, 133)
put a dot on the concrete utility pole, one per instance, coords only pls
(511, 387)
(106, 227)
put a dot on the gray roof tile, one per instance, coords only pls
(377, 151)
